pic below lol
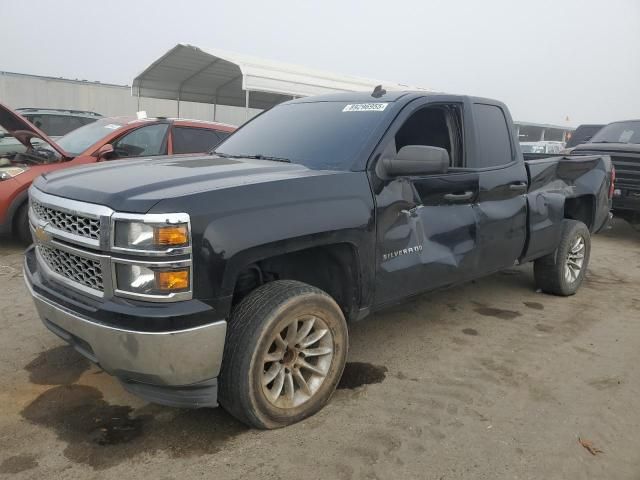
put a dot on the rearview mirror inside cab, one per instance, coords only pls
(416, 160)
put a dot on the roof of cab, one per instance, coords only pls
(388, 97)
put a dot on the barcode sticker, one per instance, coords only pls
(365, 107)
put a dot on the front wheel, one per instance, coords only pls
(285, 351)
(562, 272)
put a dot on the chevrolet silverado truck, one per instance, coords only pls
(231, 277)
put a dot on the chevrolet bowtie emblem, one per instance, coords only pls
(42, 235)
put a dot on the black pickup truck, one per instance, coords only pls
(232, 277)
(621, 141)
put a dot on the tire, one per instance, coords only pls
(562, 272)
(21, 224)
(251, 385)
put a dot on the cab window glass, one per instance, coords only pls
(434, 126)
(493, 140)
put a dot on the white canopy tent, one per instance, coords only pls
(188, 73)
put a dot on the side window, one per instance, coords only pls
(149, 140)
(493, 140)
(435, 126)
(194, 140)
(38, 121)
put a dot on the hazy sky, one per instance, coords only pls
(546, 59)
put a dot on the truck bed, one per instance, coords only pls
(555, 185)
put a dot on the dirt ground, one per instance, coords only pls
(486, 381)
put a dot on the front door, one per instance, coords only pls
(426, 226)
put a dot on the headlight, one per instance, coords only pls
(9, 172)
(147, 236)
(144, 280)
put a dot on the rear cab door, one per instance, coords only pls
(501, 205)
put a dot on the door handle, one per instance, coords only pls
(412, 212)
(458, 197)
(518, 186)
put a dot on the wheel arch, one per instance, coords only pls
(18, 202)
(581, 208)
(334, 267)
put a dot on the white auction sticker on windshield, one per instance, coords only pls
(365, 107)
(112, 126)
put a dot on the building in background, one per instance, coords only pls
(23, 90)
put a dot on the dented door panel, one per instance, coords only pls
(502, 217)
(424, 240)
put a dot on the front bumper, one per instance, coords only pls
(177, 367)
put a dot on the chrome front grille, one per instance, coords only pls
(75, 246)
(73, 267)
(71, 223)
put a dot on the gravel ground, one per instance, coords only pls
(490, 380)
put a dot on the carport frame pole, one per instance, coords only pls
(246, 105)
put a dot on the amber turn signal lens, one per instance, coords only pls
(172, 280)
(175, 235)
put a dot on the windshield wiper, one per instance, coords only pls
(257, 156)
(267, 157)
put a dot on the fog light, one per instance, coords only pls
(617, 192)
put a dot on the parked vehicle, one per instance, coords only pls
(582, 134)
(541, 147)
(52, 121)
(232, 277)
(620, 140)
(105, 139)
(56, 122)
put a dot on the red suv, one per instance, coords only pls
(105, 139)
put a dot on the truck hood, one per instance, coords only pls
(607, 147)
(135, 186)
(23, 130)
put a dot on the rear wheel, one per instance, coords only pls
(562, 272)
(285, 352)
(21, 224)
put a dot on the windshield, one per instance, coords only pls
(619, 132)
(318, 135)
(79, 140)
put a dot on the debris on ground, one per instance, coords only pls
(588, 445)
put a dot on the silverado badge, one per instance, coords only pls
(398, 253)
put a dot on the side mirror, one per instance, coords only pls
(105, 152)
(417, 160)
